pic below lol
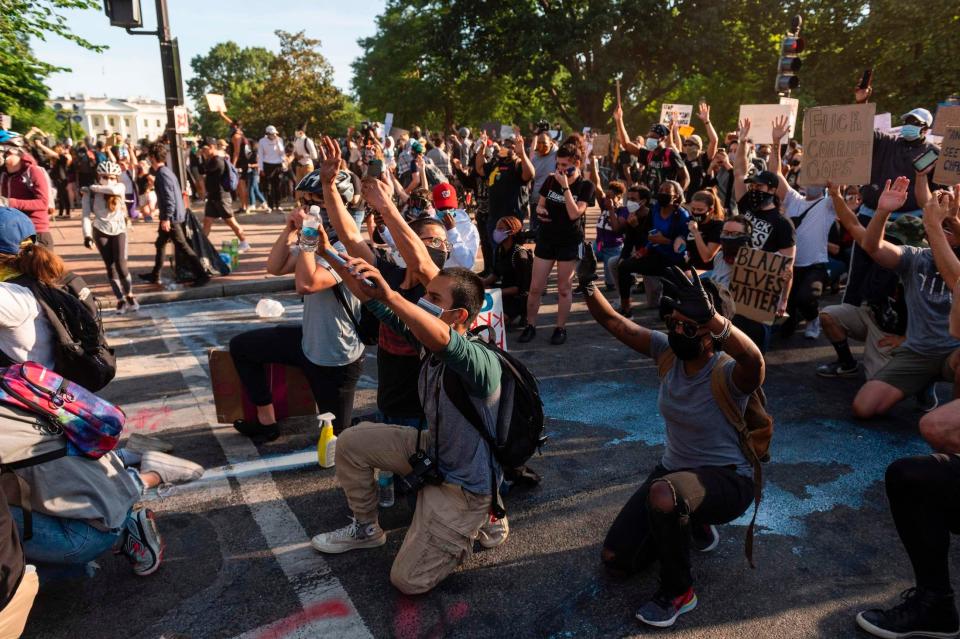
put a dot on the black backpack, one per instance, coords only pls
(81, 353)
(520, 432)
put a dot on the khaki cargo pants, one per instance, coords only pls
(447, 517)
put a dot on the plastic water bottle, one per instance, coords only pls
(385, 488)
(310, 232)
(269, 309)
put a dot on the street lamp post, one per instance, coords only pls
(69, 116)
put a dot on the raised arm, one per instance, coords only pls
(848, 219)
(740, 163)
(226, 118)
(781, 127)
(633, 335)
(527, 172)
(341, 220)
(883, 252)
(943, 206)
(379, 196)
(713, 140)
(281, 260)
(622, 132)
(921, 186)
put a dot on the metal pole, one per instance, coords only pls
(169, 60)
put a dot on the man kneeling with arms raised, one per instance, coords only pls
(455, 499)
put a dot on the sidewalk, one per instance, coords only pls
(249, 277)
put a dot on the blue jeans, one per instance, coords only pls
(253, 188)
(63, 541)
(606, 255)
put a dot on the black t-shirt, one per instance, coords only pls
(710, 231)
(659, 165)
(504, 178)
(696, 167)
(892, 157)
(772, 231)
(561, 230)
(213, 171)
(515, 269)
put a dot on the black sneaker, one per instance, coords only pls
(149, 278)
(256, 431)
(662, 611)
(705, 538)
(838, 369)
(920, 614)
(529, 332)
(559, 336)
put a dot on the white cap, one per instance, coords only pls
(921, 114)
(271, 129)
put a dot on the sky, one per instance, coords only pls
(131, 66)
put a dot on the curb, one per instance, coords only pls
(215, 290)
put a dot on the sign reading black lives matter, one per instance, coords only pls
(757, 282)
(837, 144)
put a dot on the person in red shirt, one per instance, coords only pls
(25, 185)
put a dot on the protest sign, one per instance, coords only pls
(882, 122)
(757, 284)
(794, 105)
(679, 113)
(215, 103)
(837, 144)
(686, 130)
(387, 125)
(506, 131)
(761, 118)
(947, 116)
(948, 164)
(491, 314)
(181, 120)
(601, 144)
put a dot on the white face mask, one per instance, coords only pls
(632, 206)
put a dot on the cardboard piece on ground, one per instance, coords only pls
(948, 164)
(756, 284)
(837, 144)
(491, 314)
(215, 103)
(292, 396)
(601, 144)
(882, 122)
(679, 112)
(761, 120)
(947, 116)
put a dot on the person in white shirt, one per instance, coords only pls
(306, 153)
(461, 231)
(270, 165)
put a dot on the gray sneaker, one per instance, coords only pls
(494, 532)
(141, 543)
(356, 535)
(172, 470)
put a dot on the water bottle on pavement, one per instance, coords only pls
(385, 488)
(309, 233)
(269, 309)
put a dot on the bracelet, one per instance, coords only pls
(725, 333)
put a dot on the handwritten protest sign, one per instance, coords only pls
(215, 103)
(506, 131)
(948, 164)
(761, 118)
(601, 144)
(882, 122)
(679, 113)
(837, 144)
(947, 116)
(491, 314)
(756, 284)
(794, 105)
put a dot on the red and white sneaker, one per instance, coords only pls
(662, 611)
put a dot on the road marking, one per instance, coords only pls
(308, 573)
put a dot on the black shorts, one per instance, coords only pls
(218, 209)
(565, 252)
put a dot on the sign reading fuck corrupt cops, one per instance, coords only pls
(757, 283)
(837, 144)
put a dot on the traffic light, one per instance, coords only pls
(789, 62)
(123, 13)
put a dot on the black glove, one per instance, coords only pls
(687, 296)
(587, 271)
(88, 242)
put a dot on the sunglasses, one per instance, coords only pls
(436, 242)
(689, 329)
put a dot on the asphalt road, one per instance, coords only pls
(238, 561)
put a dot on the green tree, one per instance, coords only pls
(234, 72)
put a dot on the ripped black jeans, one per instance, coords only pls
(642, 534)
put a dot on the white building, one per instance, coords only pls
(135, 117)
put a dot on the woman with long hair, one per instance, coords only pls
(705, 228)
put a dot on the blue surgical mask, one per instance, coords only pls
(429, 307)
(910, 132)
(651, 143)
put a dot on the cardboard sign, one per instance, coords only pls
(882, 122)
(948, 164)
(761, 120)
(491, 314)
(292, 396)
(215, 103)
(387, 126)
(601, 144)
(685, 131)
(181, 119)
(679, 113)
(947, 116)
(506, 131)
(837, 144)
(756, 284)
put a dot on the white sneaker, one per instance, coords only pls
(494, 532)
(351, 537)
(243, 247)
(172, 470)
(813, 329)
(132, 305)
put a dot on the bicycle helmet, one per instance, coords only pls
(108, 168)
(311, 183)
(11, 138)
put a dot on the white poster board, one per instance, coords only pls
(215, 103)
(679, 113)
(882, 122)
(491, 314)
(761, 120)
(387, 125)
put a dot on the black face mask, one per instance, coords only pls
(757, 200)
(685, 348)
(437, 256)
(664, 199)
(732, 247)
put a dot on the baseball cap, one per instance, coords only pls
(921, 114)
(271, 129)
(767, 178)
(416, 147)
(444, 196)
(696, 139)
(659, 130)
(907, 230)
(15, 227)
(208, 142)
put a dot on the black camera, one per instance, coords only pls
(542, 127)
(424, 472)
